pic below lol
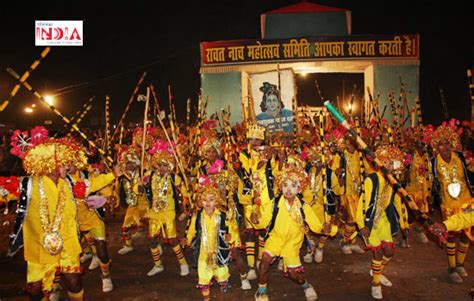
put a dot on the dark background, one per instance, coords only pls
(122, 40)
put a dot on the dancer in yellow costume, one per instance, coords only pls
(211, 232)
(85, 184)
(132, 197)
(46, 223)
(257, 168)
(290, 220)
(230, 188)
(381, 215)
(164, 191)
(419, 175)
(451, 185)
(352, 184)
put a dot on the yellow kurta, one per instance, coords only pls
(313, 195)
(260, 184)
(334, 165)
(286, 237)
(136, 212)
(162, 214)
(448, 173)
(381, 230)
(208, 247)
(33, 232)
(88, 219)
(350, 198)
(420, 182)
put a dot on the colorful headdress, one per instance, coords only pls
(207, 186)
(209, 142)
(256, 131)
(447, 131)
(209, 128)
(48, 157)
(137, 137)
(80, 154)
(335, 138)
(391, 158)
(312, 154)
(222, 177)
(414, 133)
(293, 173)
(128, 154)
(162, 152)
(42, 155)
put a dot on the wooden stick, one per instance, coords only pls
(145, 121)
(57, 112)
(132, 97)
(24, 77)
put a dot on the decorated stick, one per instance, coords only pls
(24, 77)
(107, 125)
(56, 111)
(319, 90)
(323, 163)
(121, 135)
(470, 83)
(396, 186)
(78, 113)
(83, 114)
(145, 121)
(132, 97)
(188, 111)
(418, 111)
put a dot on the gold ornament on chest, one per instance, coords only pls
(159, 186)
(450, 175)
(52, 239)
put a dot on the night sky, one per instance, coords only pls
(124, 40)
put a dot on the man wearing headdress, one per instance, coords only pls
(419, 174)
(220, 172)
(452, 190)
(164, 191)
(132, 196)
(46, 222)
(381, 215)
(352, 187)
(85, 187)
(256, 173)
(211, 234)
(287, 225)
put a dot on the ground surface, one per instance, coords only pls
(417, 273)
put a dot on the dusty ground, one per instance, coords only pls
(417, 273)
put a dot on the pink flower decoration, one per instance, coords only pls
(204, 181)
(217, 167)
(304, 155)
(38, 135)
(407, 159)
(160, 146)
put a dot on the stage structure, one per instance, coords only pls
(257, 78)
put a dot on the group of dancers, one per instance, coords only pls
(246, 196)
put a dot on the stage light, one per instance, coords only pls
(49, 100)
(28, 110)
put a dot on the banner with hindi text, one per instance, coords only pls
(306, 49)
